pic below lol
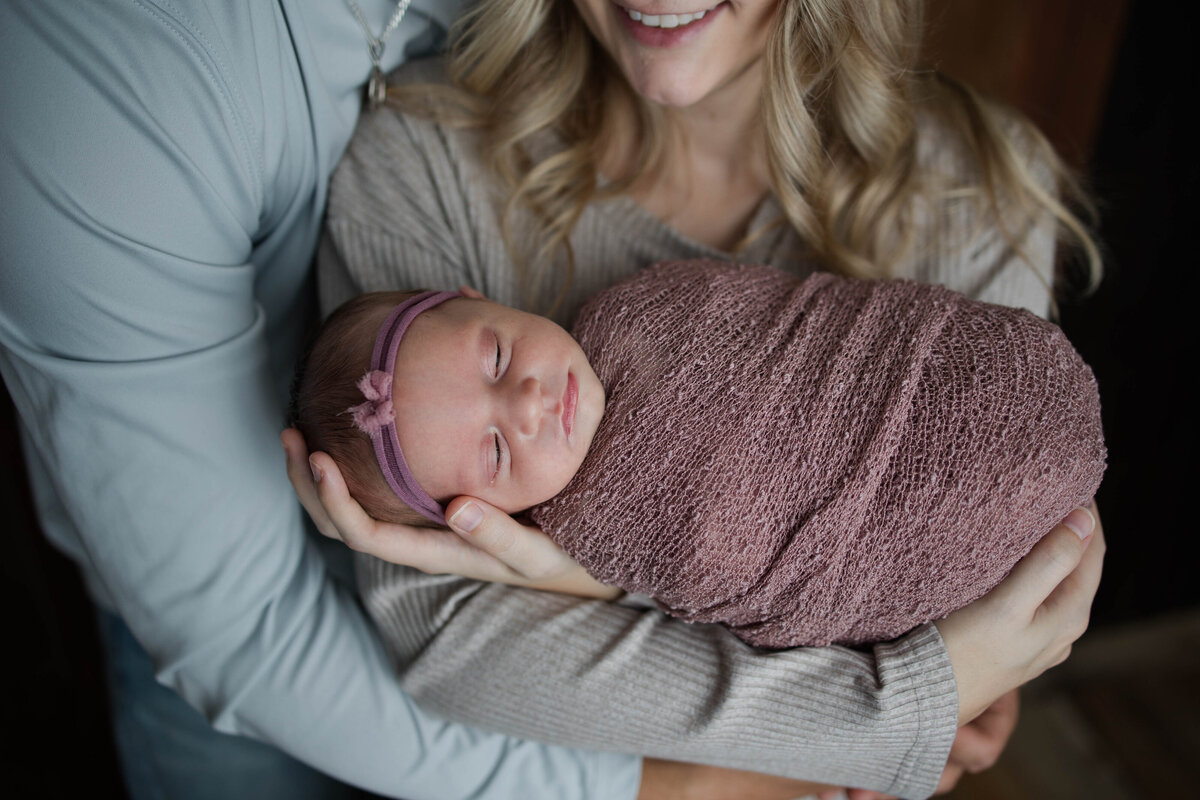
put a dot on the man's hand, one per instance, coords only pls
(977, 747)
(980, 742)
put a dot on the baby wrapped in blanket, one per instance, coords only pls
(806, 461)
(820, 460)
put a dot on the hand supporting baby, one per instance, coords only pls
(483, 544)
(1029, 622)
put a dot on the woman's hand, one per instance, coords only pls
(1028, 623)
(1011, 635)
(483, 543)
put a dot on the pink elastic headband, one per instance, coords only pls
(377, 417)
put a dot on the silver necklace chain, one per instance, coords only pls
(377, 85)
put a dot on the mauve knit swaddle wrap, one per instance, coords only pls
(822, 460)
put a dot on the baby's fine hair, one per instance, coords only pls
(324, 389)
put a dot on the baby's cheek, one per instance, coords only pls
(557, 479)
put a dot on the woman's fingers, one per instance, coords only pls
(979, 743)
(867, 794)
(525, 550)
(950, 778)
(1035, 578)
(300, 473)
(1028, 623)
(1063, 614)
(669, 779)
(347, 519)
(1069, 606)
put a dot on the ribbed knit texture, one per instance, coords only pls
(820, 460)
(411, 206)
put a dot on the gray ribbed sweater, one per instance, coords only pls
(411, 206)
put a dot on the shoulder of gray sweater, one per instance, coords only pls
(957, 245)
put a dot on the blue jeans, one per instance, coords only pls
(168, 751)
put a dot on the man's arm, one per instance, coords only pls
(138, 313)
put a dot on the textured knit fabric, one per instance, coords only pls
(820, 460)
(410, 206)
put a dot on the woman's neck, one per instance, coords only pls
(713, 174)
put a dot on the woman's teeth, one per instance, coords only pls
(665, 20)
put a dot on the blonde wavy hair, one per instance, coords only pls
(842, 93)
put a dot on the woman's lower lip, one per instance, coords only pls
(666, 37)
(569, 401)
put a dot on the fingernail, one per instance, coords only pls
(1081, 521)
(316, 471)
(467, 518)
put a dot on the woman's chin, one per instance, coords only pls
(673, 99)
(670, 90)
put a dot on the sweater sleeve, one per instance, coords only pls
(406, 209)
(137, 302)
(612, 677)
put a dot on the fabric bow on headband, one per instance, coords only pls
(378, 410)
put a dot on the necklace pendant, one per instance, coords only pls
(376, 89)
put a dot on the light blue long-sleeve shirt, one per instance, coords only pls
(163, 165)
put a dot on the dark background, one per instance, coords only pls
(1138, 330)
(1112, 84)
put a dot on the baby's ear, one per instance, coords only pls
(467, 291)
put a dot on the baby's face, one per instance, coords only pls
(494, 403)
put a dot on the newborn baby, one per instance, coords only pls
(805, 461)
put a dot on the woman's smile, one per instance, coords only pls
(666, 30)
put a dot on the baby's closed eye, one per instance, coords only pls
(499, 458)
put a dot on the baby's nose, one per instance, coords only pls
(533, 404)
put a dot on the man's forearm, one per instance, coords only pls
(672, 780)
